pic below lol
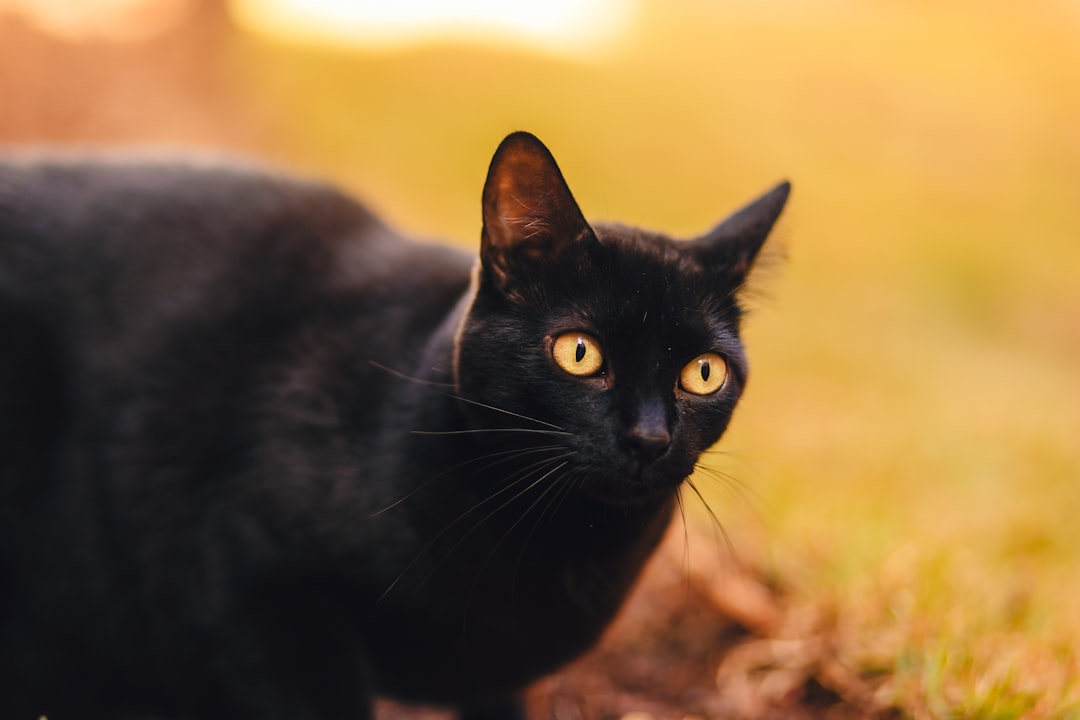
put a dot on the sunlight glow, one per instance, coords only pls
(111, 20)
(571, 27)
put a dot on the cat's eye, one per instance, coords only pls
(704, 375)
(578, 354)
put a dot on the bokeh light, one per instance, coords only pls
(581, 27)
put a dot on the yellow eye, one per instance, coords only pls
(704, 375)
(578, 354)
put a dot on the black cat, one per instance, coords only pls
(261, 457)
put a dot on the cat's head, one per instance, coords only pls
(620, 346)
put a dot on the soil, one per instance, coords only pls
(705, 640)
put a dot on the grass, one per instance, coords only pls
(912, 428)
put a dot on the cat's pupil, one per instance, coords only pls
(705, 370)
(580, 353)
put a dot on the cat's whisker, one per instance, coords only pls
(685, 531)
(503, 455)
(522, 476)
(549, 511)
(534, 468)
(435, 384)
(410, 378)
(532, 506)
(511, 413)
(717, 525)
(730, 481)
(555, 493)
(546, 491)
(497, 459)
(565, 483)
(686, 542)
(474, 431)
(506, 487)
(738, 488)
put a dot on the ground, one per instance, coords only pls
(703, 637)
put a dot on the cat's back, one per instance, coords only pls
(108, 218)
(146, 238)
(128, 277)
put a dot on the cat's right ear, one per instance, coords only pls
(530, 216)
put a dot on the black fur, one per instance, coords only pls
(263, 458)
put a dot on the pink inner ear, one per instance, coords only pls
(523, 215)
(530, 216)
(519, 208)
(526, 197)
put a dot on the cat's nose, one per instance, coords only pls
(648, 441)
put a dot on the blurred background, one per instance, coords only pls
(908, 453)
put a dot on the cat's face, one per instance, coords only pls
(619, 346)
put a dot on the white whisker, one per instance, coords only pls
(543, 493)
(475, 431)
(738, 488)
(477, 403)
(404, 376)
(502, 455)
(522, 474)
(717, 525)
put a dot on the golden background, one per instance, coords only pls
(908, 452)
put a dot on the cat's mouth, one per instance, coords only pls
(635, 483)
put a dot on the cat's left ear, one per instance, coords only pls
(530, 216)
(731, 246)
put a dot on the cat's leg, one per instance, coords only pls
(310, 686)
(504, 710)
(295, 659)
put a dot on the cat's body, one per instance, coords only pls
(261, 457)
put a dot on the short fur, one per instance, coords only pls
(261, 457)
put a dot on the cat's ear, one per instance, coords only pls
(731, 246)
(530, 217)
